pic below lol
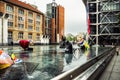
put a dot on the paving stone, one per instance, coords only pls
(116, 68)
(112, 72)
(115, 76)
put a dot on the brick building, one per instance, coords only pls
(55, 22)
(19, 20)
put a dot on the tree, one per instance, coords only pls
(69, 38)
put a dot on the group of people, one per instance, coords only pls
(81, 42)
(66, 45)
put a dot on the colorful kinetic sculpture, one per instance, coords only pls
(25, 43)
(82, 42)
(5, 60)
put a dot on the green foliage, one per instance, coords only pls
(71, 38)
(74, 38)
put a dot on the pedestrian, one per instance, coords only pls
(68, 47)
(62, 43)
(12, 43)
(117, 51)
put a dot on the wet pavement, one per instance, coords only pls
(44, 62)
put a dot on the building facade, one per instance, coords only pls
(19, 20)
(104, 26)
(55, 22)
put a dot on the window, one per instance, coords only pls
(20, 35)
(10, 24)
(9, 8)
(29, 36)
(118, 6)
(30, 20)
(111, 6)
(21, 12)
(20, 19)
(38, 17)
(11, 16)
(30, 27)
(38, 37)
(37, 29)
(37, 22)
(10, 35)
(92, 7)
(20, 26)
(30, 14)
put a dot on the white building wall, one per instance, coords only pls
(41, 39)
(58, 38)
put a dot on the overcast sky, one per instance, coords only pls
(75, 15)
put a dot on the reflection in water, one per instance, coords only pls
(44, 63)
(96, 50)
(68, 58)
(24, 55)
(89, 53)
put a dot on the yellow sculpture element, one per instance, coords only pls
(82, 42)
(5, 60)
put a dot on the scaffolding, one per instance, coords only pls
(104, 26)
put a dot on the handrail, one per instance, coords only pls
(94, 72)
(71, 74)
(102, 67)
